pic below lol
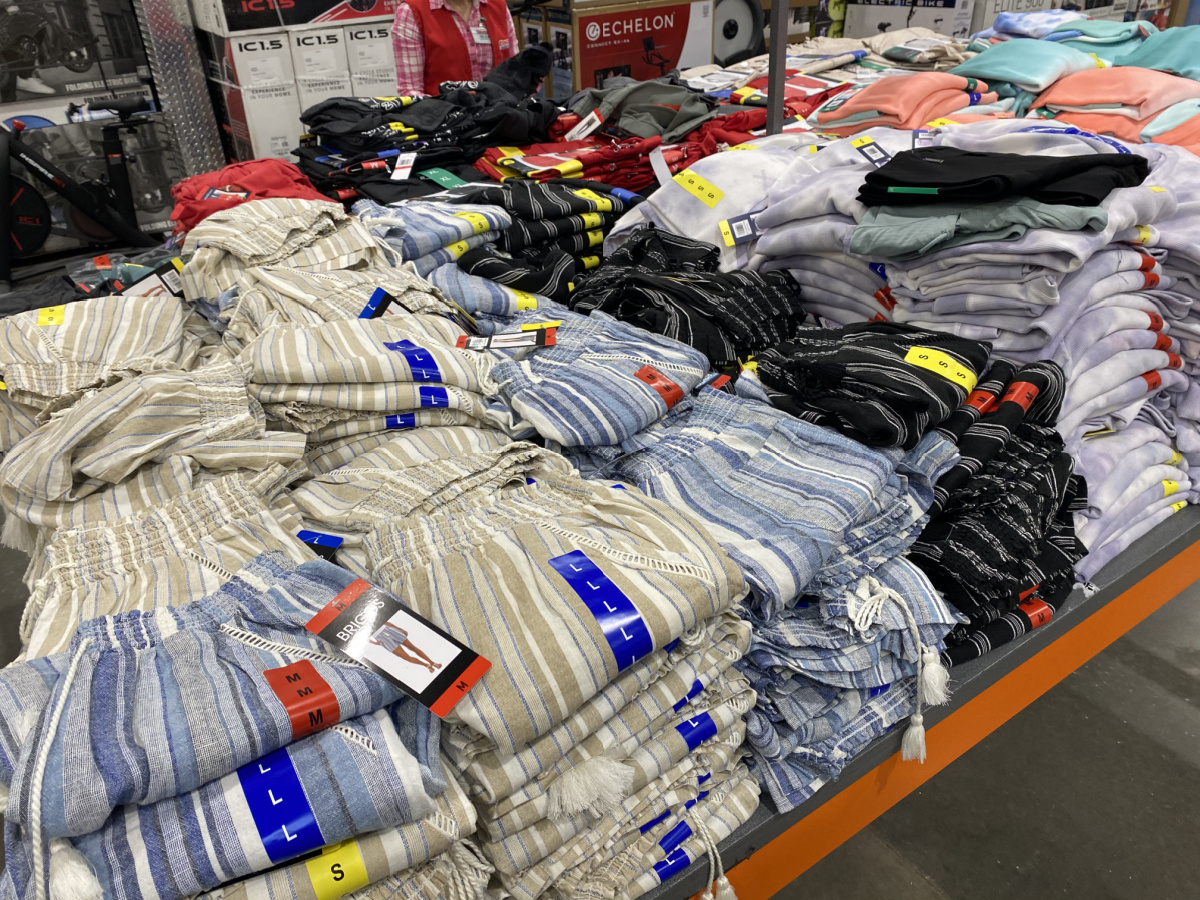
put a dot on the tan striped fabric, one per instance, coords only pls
(367, 423)
(394, 851)
(201, 418)
(174, 554)
(48, 356)
(654, 684)
(302, 234)
(484, 576)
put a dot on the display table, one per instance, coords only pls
(771, 850)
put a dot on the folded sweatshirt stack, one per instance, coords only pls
(908, 102)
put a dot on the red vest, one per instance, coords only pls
(446, 57)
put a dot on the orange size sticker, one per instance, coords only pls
(1021, 393)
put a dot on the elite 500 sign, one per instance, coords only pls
(643, 41)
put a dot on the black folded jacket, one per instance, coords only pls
(942, 174)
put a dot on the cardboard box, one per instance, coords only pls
(248, 60)
(865, 18)
(319, 61)
(372, 60)
(642, 41)
(254, 122)
(228, 17)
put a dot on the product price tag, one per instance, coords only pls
(442, 177)
(603, 204)
(544, 335)
(373, 627)
(871, 151)
(478, 221)
(944, 364)
(589, 123)
(662, 385)
(921, 138)
(708, 194)
(739, 229)
(337, 871)
(404, 164)
(164, 280)
(51, 315)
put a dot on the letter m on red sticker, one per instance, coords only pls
(309, 700)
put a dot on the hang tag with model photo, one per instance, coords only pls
(479, 34)
(589, 123)
(404, 164)
(373, 627)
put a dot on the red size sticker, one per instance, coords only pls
(719, 383)
(1148, 262)
(1156, 321)
(1153, 380)
(884, 296)
(307, 697)
(1039, 611)
(346, 193)
(1162, 342)
(1150, 280)
(1026, 594)
(374, 164)
(1022, 393)
(878, 317)
(102, 261)
(980, 400)
(1174, 361)
(338, 604)
(664, 386)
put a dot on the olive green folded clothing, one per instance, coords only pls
(651, 687)
(562, 584)
(908, 232)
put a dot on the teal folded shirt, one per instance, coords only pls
(1175, 50)
(1171, 117)
(906, 232)
(1108, 40)
(1027, 63)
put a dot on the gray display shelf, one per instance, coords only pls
(967, 681)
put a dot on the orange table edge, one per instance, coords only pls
(785, 858)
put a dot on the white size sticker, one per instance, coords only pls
(404, 165)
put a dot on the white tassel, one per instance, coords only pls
(725, 889)
(3, 796)
(71, 876)
(18, 534)
(935, 678)
(913, 745)
(597, 785)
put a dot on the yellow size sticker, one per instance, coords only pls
(603, 204)
(595, 237)
(939, 123)
(570, 285)
(1098, 432)
(1145, 235)
(1170, 487)
(589, 262)
(750, 366)
(510, 152)
(743, 147)
(3, 386)
(861, 141)
(945, 365)
(726, 232)
(525, 300)
(1176, 458)
(742, 93)
(569, 167)
(338, 871)
(1176, 507)
(52, 315)
(1156, 188)
(591, 220)
(813, 148)
(478, 221)
(399, 126)
(458, 248)
(708, 194)
(538, 326)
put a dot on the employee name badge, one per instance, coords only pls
(480, 35)
(373, 627)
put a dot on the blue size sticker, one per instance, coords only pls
(420, 361)
(878, 269)
(320, 539)
(672, 865)
(434, 398)
(675, 837)
(876, 691)
(284, 820)
(1062, 129)
(657, 820)
(373, 306)
(697, 687)
(403, 420)
(703, 778)
(622, 624)
(696, 730)
(973, 99)
(622, 194)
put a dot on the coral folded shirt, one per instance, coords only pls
(904, 102)
(1125, 91)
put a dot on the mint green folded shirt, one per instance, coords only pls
(1175, 50)
(1027, 63)
(1108, 40)
(906, 232)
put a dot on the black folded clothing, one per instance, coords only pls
(881, 383)
(555, 200)
(669, 284)
(552, 277)
(55, 290)
(942, 174)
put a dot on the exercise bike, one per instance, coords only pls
(25, 216)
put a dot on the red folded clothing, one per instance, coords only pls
(200, 196)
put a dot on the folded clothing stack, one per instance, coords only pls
(901, 102)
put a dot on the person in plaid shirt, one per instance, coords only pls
(449, 40)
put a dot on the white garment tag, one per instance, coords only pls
(480, 34)
(659, 164)
(586, 126)
(404, 164)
